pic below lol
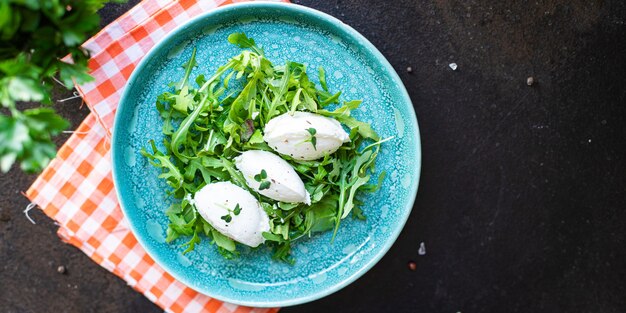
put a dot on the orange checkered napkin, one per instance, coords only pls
(77, 190)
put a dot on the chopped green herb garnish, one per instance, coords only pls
(260, 176)
(313, 139)
(227, 218)
(264, 185)
(237, 209)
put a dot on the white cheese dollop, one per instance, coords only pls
(284, 183)
(289, 135)
(216, 200)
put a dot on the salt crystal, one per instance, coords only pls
(453, 66)
(422, 249)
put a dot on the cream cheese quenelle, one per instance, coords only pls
(233, 211)
(271, 176)
(292, 134)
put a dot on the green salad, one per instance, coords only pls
(265, 132)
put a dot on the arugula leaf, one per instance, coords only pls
(181, 134)
(342, 114)
(242, 41)
(287, 206)
(322, 215)
(272, 237)
(170, 172)
(322, 77)
(326, 100)
(257, 137)
(180, 222)
(191, 244)
(188, 67)
(356, 184)
(223, 241)
(183, 101)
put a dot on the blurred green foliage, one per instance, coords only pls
(34, 36)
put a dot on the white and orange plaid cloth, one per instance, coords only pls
(76, 189)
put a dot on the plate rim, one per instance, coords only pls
(290, 8)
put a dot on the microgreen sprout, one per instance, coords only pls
(313, 139)
(228, 217)
(262, 178)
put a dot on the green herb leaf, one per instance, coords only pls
(188, 67)
(342, 114)
(242, 41)
(264, 185)
(170, 173)
(287, 206)
(223, 241)
(183, 101)
(322, 215)
(322, 77)
(271, 237)
(191, 244)
(257, 137)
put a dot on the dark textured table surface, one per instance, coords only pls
(522, 200)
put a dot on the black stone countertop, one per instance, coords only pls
(522, 199)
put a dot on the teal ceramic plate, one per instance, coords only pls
(353, 65)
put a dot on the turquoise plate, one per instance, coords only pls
(353, 65)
